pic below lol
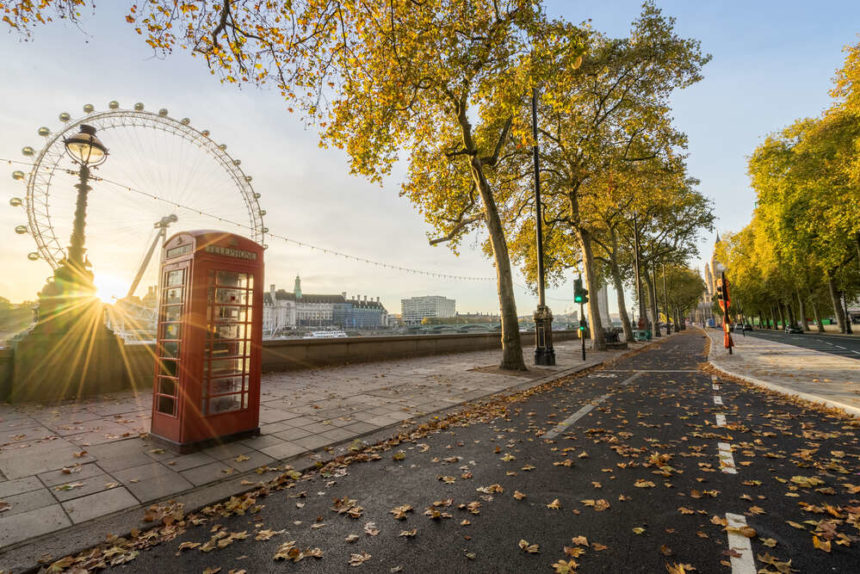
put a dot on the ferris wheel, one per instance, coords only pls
(160, 172)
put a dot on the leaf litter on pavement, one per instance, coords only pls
(627, 444)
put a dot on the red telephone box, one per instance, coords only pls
(210, 330)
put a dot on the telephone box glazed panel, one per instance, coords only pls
(210, 329)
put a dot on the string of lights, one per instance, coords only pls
(284, 238)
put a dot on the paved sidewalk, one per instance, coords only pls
(812, 375)
(81, 470)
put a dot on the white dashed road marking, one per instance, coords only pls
(718, 400)
(727, 462)
(716, 387)
(562, 426)
(740, 545)
(721, 420)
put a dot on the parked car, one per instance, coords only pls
(793, 330)
(738, 327)
(748, 327)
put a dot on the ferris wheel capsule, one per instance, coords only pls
(262, 212)
(257, 195)
(45, 132)
(21, 229)
(222, 147)
(33, 256)
(65, 116)
(205, 133)
(162, 112)
(113, 104)
(17, 175)
(237, 162)
(28, 151)
(16, 202)
(265, 230)
(184, 121)
(249, 179)
(88, 108)
(138, 107)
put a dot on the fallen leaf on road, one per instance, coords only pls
(267, 534)
(242, 458)
(821, 544)
(370, 529)
(399, 512)
(574, 551)
(638, 530)
(565, 567)
(350, 538)
(580, 540)
(554, 505)
(358, 559)
(409, 533)
(679, 568)
(519, 495)
(642, 483)
(528, 548)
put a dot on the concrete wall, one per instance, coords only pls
(295, 354)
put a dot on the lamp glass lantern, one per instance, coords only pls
(85, 148)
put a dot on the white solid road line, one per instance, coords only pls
(721, 420)
(718, 400)
(563, 425)
(727, 462)
(841, 347)
(739, 544)
(716, 387)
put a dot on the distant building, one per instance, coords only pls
(284, 311)
(415, 309)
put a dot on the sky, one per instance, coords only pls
(772, 63)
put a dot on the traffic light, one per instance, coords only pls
(580, 295)
(583, 325)
(719, 289)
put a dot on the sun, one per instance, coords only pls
(109, 288)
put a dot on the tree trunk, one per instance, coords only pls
(781, 316)
(790, 310)
(773, 318)
(652, 302)
(817, 316)
(618, 282)
(837, 304)
(802, 310)
(595, 326)
(512, 350)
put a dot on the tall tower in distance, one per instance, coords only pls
(297, 289)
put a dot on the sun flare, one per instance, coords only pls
(109, 288)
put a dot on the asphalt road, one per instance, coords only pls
(620, 472)
(843, 345)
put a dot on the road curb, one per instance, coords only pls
(848, 409)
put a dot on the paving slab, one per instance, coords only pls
(99, 504)
(32, 524)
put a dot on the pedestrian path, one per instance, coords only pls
(811, 374)
(84, 469)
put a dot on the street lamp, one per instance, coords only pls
(87, 151)
(544, 352)
(642, 324)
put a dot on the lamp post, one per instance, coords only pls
(544, 352)
(666, 302)
(87, 151)
(642, 323)
(71, 323)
